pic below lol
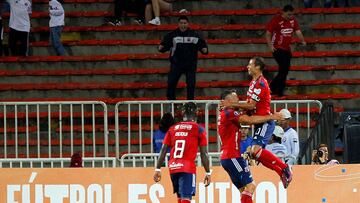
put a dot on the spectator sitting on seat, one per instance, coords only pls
(159, 6)
(76, 160)
(320, 156)
(275, 145)
(166, 122)
(291, 138)
(142, 8)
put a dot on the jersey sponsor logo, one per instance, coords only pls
(174, 165)
(182, 134)
(183, 127)
(287, 31)
(257, 91)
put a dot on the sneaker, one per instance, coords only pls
(155, 21)
(286, 177)
(183, 11)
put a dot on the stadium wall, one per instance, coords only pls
(311, 184)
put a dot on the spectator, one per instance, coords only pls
(246, 139)
(275, 145)
(332, 3)
(166, 122)
(1, 31)
(184, 44)
(56, 24)
(76, 160)
(142, 8)
(279, 32)
(19, 24)
(159, 6)
(291, 138)
(320, 156)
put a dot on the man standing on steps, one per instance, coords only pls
(279, 32)
(183, 44)
(19, 24)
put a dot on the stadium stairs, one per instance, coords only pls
(113, 64)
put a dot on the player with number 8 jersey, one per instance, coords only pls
(184, 138)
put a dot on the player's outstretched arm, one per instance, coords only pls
(205, 163)
(245, 106)
(157, 174)
(245, 119)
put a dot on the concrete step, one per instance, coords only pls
(160, 60)
(305, 17)
(152, 48)
(191, 5)
(220, 31)
(201, 76)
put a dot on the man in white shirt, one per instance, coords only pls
(291, 137)
(275, 145)
(56, 24)
(19, 24)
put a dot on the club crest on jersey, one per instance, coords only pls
(257, 91)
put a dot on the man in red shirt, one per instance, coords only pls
(258, 103)
(229, 131)
(279, 32)
(184, 138)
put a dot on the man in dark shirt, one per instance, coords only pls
(183, 44)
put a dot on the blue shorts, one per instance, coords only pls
(184, 184)
(238, 171)
(262, 133)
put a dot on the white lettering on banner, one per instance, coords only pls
(207, 194)
(135, 190)
(269, 188)
(58, 193)
(156, 188)
(77, 194)
(156, 191)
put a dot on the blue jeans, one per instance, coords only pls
(308, 3)
(55, 38)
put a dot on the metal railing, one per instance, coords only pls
(151, 159)
(91, 162)
(45, 125)
(149, 109)
(322, 133)
(129, 110)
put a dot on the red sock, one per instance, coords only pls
(269, 160)
(185, 201)
(179, 200)
(246, 197)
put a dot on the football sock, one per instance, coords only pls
(246, 197)
(269, 160)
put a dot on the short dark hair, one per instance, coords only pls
(277, 139)
(259, 61)
(288, 7)
(183, 18)
(167, 120)
(226, 93)
(190, 109)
